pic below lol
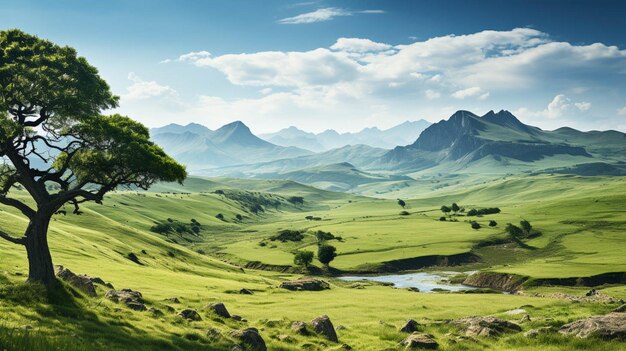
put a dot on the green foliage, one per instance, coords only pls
(475, 225)
(526, 226)
(404, 213)
(253, 201)
(493, 223)
(442, 218)
(170, 226)
(445, 209)
(455, 208)
(514, 231)
(219, 216)
(303, 258)
(296, 200)
(288, 235)
(323, 236)
(483, 211)
(326, 253)
(401, 203)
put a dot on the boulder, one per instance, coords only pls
(410, 326)
(155, 312)
(213, 333)
(249, 339)
(124, 295)
(419, 341)
(309, 284)
(219, 309)
(190, 314)
(533, 333)
(609, 326)
(137, 306)
(323, 325)
(485, 326)
(81, 282)
(246, 292)
(299, 327)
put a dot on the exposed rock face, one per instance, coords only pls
(323, 325)
(419, 341)
(410, 326)
(300, 327)
(132, 299)
(495, 280)
(610, 326)
(81, 282)
(190, 314)
(533, 333)
(250, 339)
(485, 326)
(219, 309)
(309, 284)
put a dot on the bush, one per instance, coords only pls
(326, 253)
(220, 216)
(288, 235)
(401, 203)
(493, 223)
(483, 211)
(239, 217)
(526, 226)
(296, 200)
(514, 231)
(442, 218)
(475, 225)
(303, 258)
(262, 244)
(404, 213)
(323, 236)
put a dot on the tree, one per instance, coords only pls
(455, 208)
(296, 200)
(56, 145)
(303, 258)
(526, 226)
(493, 223)
(326, 253)
(514, 231)
(475, 225)
(401, 203)
(445, 209)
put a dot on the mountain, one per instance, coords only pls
(199, 147)
(465, 138)
(401, 134)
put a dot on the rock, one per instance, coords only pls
(609, 326)
(190, 314)
(136, 306)
(419, 341)
(213, 333)
(409, 327)
(173, 299)
(284, 338)
(219, 309)
(155, 312)
(621, 308)
(485, 326)
(516, 312)
(533, 333)
(249, 339)
(345, 347)
(236, 317)
(340, 327)
(309, 284)
(299, 328)
(323, 325)
(246, 292)
(124, 295)
(525, 319)
(82, 282)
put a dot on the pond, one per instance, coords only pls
(426, 282)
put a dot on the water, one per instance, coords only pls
(424, 281)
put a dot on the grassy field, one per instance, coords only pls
(581, 219)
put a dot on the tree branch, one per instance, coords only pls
(25, 209)
(14, 240)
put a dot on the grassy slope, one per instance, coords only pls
(96, 243)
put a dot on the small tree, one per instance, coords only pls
(303, 258)
(493, 223)
(446, 210)
(57, 146)
(514, 231)
(296, 200)
(401, 203)
(239, 217)
(526, 226)
(475, 225)
(326, 253)
(219, 216)
(455, 208)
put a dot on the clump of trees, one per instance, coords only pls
(303, 258)
(288, 235)
(171, 226)
(524, 231)
(475, 225)
(455, 209)
(326, 254)
(313, 218)
(483, 211)
(296, 200)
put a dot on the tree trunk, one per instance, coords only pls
(40, 269)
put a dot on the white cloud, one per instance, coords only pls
(141, 89)
(358, 45)
(622, 111)
(470, 92)
(583, 105)
(324, 14)
(432, 95)
(320, 15)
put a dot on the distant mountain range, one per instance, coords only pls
(492, 144)
(401, 134)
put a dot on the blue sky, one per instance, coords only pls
(346, 65)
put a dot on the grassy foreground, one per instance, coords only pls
(580, 218)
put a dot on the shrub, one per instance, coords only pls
(442, 218)
(262, 244)
(514, 231)
(239, 217)
(288, 235)
(455, 208)
(326, 253)
(404, 213)
(445, 209)
(493, 223)
(220, 216)
(475, 225)
(296, 200)
(323, 236)
(483, 211)
(526, 226)
(401, 203)
(303, 258)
